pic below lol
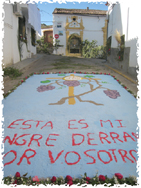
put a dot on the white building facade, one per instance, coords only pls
(123, 19)
(76, 25)
(22, 23)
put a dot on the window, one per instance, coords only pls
(33, 37)
(22, 29)
(59, 25)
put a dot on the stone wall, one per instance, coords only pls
(121, 65)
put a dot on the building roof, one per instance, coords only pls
(44, 26)
(79, 11)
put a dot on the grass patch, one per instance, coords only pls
(64, 60)
(97, 69)
(68, 64)
(12, 72)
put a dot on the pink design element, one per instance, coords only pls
(72, 83)
(17, 174)
(15, 182)
(53, 179)
(88, 179)
(102, 178)
(70, 183)
(69, 178)
(119, 176)
(43, 88)
(35, 178)
(112, 93)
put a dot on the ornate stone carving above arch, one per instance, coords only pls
(71, 25)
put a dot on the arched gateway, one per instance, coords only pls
(74, 44)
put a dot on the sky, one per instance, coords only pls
(46, 9)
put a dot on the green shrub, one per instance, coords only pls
(91, 50)
(43, 46)
(108, 45)
(12, 72)
(122, 46)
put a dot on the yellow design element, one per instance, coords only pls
(81, 35)
(96, 79)
(68, 24)
(104, 29)
(79, 27)
(76, 17)
(72, 77)
(71, 101)
(122, 74)
(71, 93)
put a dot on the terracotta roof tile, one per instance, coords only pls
(79, 11)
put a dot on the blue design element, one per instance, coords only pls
(27, 106)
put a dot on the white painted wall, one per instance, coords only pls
(16, 55)
(122, 17)
(62, 39)
(10, 45)
(8, 34)
(92, 28)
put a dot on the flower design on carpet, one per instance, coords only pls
(112, 93)
(73, 81)
(43, 88)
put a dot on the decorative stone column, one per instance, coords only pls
(104, 29)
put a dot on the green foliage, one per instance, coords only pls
(91, 50)
(121, 51)
(131, 180)
(43, 46)
(20, 44)
(74, 36)
(12, 72)
(88, 76)
(46, 81)
(33, 37)
(108, 45)
(56, 44)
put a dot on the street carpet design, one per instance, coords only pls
(69, 124)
